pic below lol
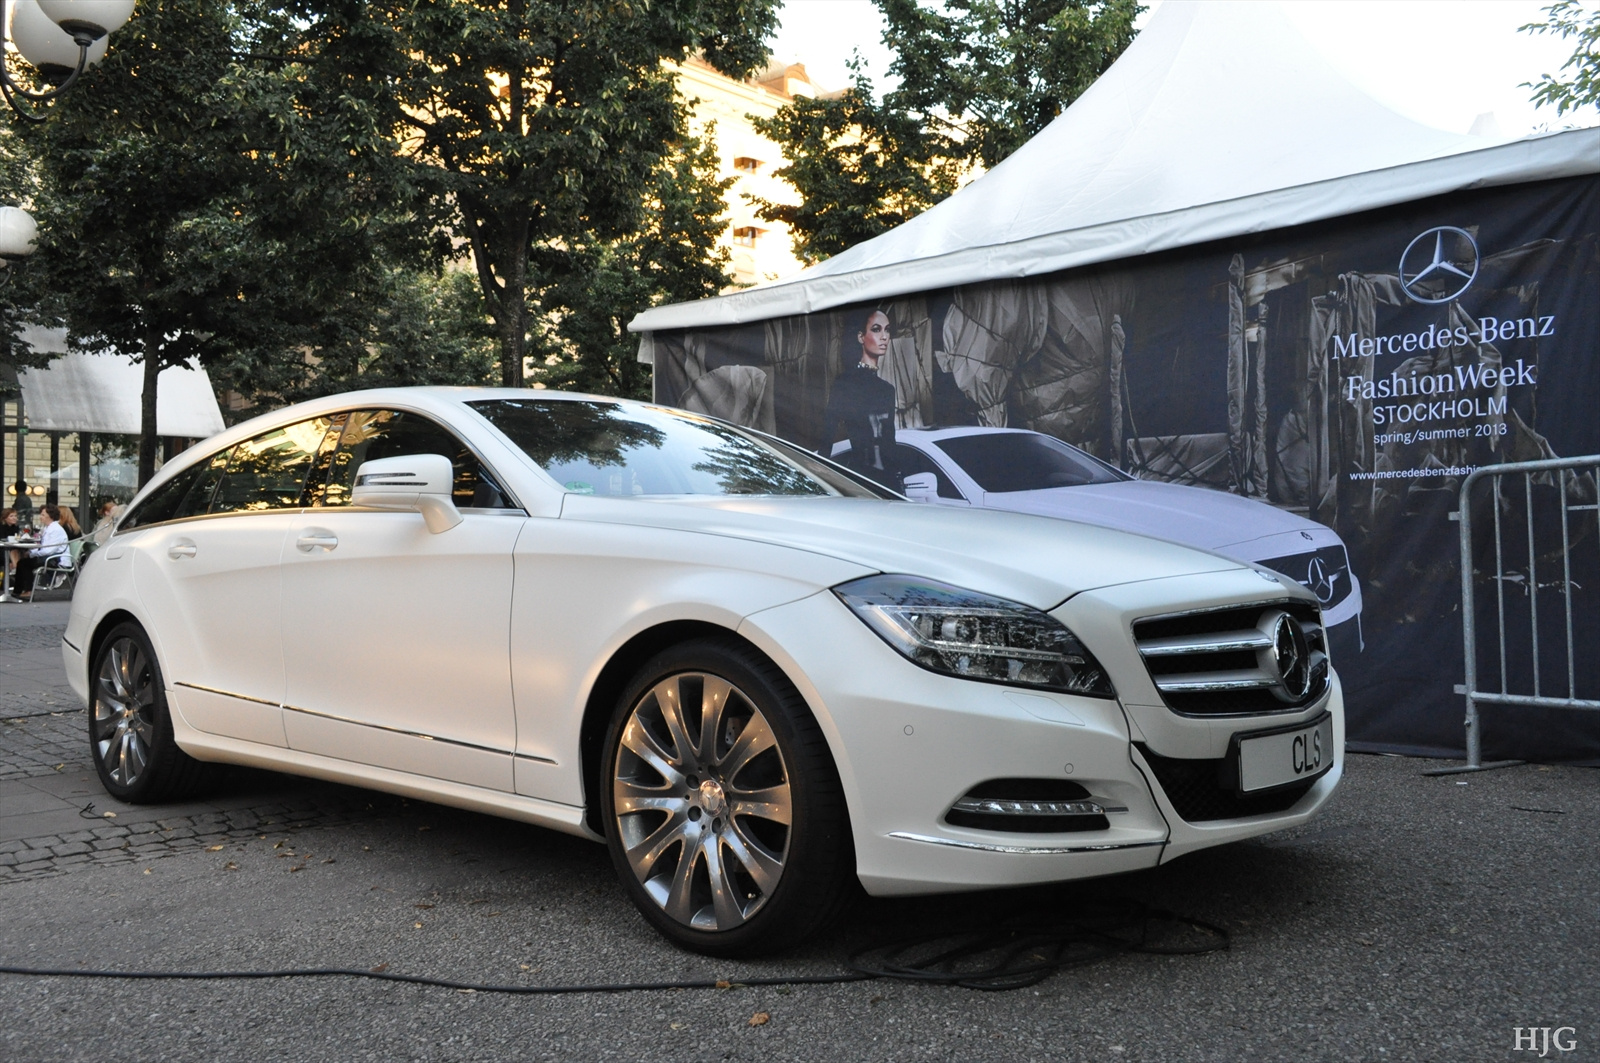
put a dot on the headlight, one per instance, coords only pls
(971, 635)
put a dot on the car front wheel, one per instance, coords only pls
(723, 809)
(130, 731)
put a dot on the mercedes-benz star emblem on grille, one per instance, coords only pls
(1319, 581)
(1292, 657)
(1439, 264)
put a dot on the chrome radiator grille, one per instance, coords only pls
(1242, 660)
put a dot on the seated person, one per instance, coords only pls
(52, 543)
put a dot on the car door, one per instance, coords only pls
(209, 581)
(396, 639)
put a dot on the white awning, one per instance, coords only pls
(1219, 120)
(100, 393)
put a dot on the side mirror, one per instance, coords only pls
(922, 487)
(418, 483)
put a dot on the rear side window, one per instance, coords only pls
(372, 434)
(270, 471)
(165, 501)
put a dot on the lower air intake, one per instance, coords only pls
(1197, 793)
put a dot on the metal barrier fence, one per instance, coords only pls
(1574, 482)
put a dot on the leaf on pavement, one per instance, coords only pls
(760, 1018)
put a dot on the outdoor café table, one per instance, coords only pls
(8, 545)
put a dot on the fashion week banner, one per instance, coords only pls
(1347, 374)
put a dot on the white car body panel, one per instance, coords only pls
(396, 628)
(458, 667)
(211, 603)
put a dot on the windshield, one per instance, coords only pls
(606, 448)
(1025, 461)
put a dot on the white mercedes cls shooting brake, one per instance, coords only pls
(751, 673)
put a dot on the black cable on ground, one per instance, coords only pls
(1012, 955)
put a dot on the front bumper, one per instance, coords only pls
(908, 743)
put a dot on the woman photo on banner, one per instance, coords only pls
(861, 406)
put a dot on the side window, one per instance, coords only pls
(373, 434)
(913, 460)
(164, 502)
(198, 501)
(270, 471)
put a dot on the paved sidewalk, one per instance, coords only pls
(55, 815)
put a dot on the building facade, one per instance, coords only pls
(759, 251)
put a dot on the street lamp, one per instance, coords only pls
(61, 39)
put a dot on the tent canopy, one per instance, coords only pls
(1220, 119)
(100, 393)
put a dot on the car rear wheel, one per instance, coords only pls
(130, 731)
(723, 809)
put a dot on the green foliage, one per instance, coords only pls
(595, 289)
(1578, 84)
(540, 126)
(978, 78)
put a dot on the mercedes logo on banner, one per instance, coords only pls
(1320, 581)
(1439, 264)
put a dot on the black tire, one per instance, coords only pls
(130, 730)
(727, 824)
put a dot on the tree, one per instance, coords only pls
(140, 172)
(1578, 84)
(977, 79)
(862, 168)
(214, 191)
(595, 289)
(541, 125)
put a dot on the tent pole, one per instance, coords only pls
(21, 484)
(53, 492)
(85, 512)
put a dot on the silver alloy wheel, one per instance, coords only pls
(124, 712)
(702, 801)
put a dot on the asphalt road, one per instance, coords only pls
(1417, 919)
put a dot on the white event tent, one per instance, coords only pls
(1219, 120)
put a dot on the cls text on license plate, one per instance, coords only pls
(1286, 756)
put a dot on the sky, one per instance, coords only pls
(1393, 49)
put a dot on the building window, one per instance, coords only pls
(746, 164)
(746, 236)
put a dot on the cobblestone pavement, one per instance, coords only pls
(1416, 919)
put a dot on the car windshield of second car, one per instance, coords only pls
(1024, 461)
(618, 451)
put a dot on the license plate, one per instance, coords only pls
(1286, 756)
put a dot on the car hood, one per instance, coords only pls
(1196, 516)
(1038, 561)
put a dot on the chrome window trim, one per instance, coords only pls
(517, 508)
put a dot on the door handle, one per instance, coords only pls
(311, 540)
(181, 549)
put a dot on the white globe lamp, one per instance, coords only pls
(18, 231)
(47, 46)
(87, 18)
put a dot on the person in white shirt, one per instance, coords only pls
(52, 543)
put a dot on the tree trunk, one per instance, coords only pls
(148, 440)
(513, 316)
